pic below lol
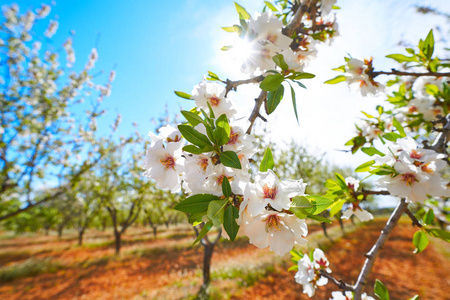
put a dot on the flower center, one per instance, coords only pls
(234, 136)
(272, 37)
(203, 163)
(175, 139)
(273, 221)
(415, 154)
(322, 263)
(426, 168)
(168, 162)
(409, 178)
(220, 178)
(215, 101)
(412, 109)
(270, 193)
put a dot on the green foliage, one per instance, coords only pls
(271, 82)
(267, 162)
(274, 98)
(28, 268)
(380, 290)
(420, 241)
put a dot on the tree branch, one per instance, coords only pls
(372, 254)
(340, 283)
(413, 218)
(368, 192)
(396, 72)
(293, 25)
(440, 143)
(232, 85)
(255, 113)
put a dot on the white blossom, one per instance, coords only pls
(213, 94)
(51, 29)
(308, 274)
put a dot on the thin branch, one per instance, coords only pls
(255, 113)
(373, 253)
(340, 283)
(413, 218)
(232, 85)
(368, 192)
(440, 143)
(292, 27)
(397, 72)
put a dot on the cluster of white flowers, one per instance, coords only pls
(358, 71)
(308, 273)
(416, 171)
(424, 102)
(265, 40)
(261, 213)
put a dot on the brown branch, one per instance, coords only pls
(232, 85)
(372, 254)
(255, 113)
(413, 218)
(396, 72)
(293, 25)
(340, 283)
(441, 141)
(368, 192)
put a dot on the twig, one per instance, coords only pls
(291, 28)
(255, 113)
(232, 85)
(413, 218)
(396, 72)
(368, 192)
(340, 283)
(440, 143)
(372, 254)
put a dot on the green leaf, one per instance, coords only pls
(399, 127)
(234, 28)
(226, 187)
(439, 233)
(336, 207)
(197, 217)
(420, 241)
(371, 151)
(392, 136)
(367, 115)
(193, 136)
(222, 131)
(300, 84)
(279, 60)
(301, 202)
(193, 118)
(195, 203)
(416, 297)
(226, 48)
(302, 75)
(293, 268)
(183, 95)
(319, 203)
(206, 228)
(242, 12)
(272, 82)
(229, 222)
(365, 167)
(319, 218)
(216, 210)
(402, 58)
(270, 5)
(267, 161)
(274, 98)
(230, 159)
(428, 218)
(213, 76)
(341, 181)
(294, 102)
(336, 79)
(192, 149)
(380, 290)
(428, 45)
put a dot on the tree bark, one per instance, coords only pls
(60, 231)
(80, 237)
(324, 228)
(155, 231)
(117, 242)
(342, 224)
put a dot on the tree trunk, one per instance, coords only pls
(103, 225)
(80, 237)
(155, 231)
(60, 231)
(324, 228)
(207, 256)
(352, 218)
(117, 236)
(342, 224)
